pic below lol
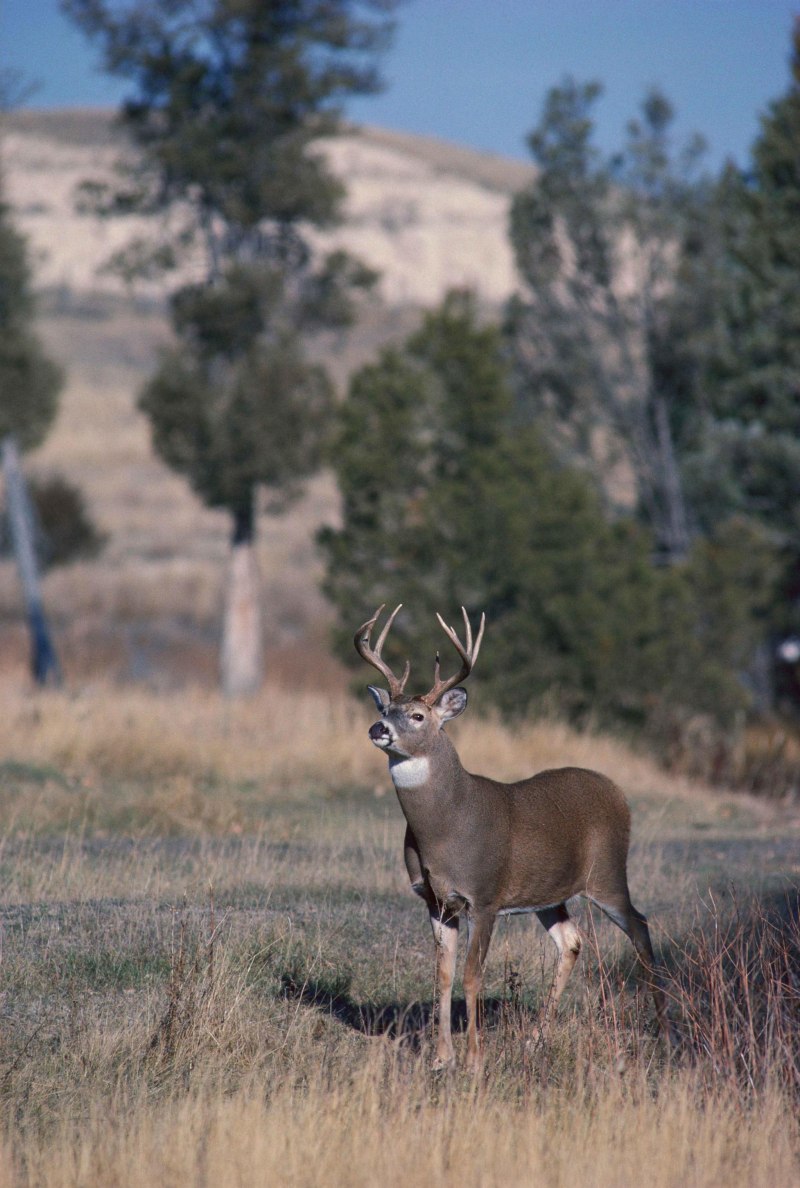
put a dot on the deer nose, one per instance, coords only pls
(378, 731)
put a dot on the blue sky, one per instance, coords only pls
(476, 71)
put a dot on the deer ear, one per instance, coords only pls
(451, 704)
(380, 697)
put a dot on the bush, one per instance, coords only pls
(446, 500)
(65, 528)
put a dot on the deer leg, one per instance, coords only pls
(480, 927)
(445, 934)
(567, 939)
(634, 925)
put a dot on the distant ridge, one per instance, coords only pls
(85, 126)
(95, 126)
(492, 170)
(426, 213)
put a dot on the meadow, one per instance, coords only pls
(213, 969)
(214, 972)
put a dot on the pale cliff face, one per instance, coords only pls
(428, 216)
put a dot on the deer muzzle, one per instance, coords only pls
(380, 734)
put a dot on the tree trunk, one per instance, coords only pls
(675, 529)
(241, 660)
(44, 662)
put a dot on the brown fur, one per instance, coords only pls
(475, 847)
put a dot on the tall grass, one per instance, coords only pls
(215, 1082)
(168, 753)
(385, 1126)
(213, 971)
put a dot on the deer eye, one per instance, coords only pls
(418, 717)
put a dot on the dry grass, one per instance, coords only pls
(213, 970)
(384, 1127)
(167, 755)
(208, 1061)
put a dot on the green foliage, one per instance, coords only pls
(228, 99)
(236, 403)
(744, 458)
(599, 333)
(233, 413)
(66, 528)
(29, 381)
(448, 499)
(752, 431)
(619, 352)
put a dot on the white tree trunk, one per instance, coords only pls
(241, 660)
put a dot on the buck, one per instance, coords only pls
(478, 849)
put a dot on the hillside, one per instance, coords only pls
(428, 215)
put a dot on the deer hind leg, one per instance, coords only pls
(445, 934)
(567, 939)
(480, 928)
(634, 925)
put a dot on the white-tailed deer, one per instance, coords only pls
(478, 848)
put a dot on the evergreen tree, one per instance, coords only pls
(29, 385)
(29, 380)
(752, 434)
(746, 457)
(598, 335)
(228, 100)
(448, 499)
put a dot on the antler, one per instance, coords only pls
(468, 654)
(373, 657)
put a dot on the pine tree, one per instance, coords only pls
(448, 499)
(746, 457)
(29, 385)
(598, 333)
(29, 380)
(228, 100)
(752, 440)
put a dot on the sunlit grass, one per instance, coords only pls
(169, 755)
(213, 969)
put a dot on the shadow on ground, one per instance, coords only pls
(407, 1022)
(738, 951)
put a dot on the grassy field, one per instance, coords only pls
(214, 972)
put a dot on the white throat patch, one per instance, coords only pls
(409, 773)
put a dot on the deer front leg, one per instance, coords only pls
(445, 934)
(480, 927)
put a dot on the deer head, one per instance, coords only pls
(409, 723)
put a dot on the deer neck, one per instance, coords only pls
(437, 776)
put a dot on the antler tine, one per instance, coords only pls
(474, 651)
(370, 623)
(387, 628)
(468, 627)
(362, 641)
(450, 632)
(468, 654)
